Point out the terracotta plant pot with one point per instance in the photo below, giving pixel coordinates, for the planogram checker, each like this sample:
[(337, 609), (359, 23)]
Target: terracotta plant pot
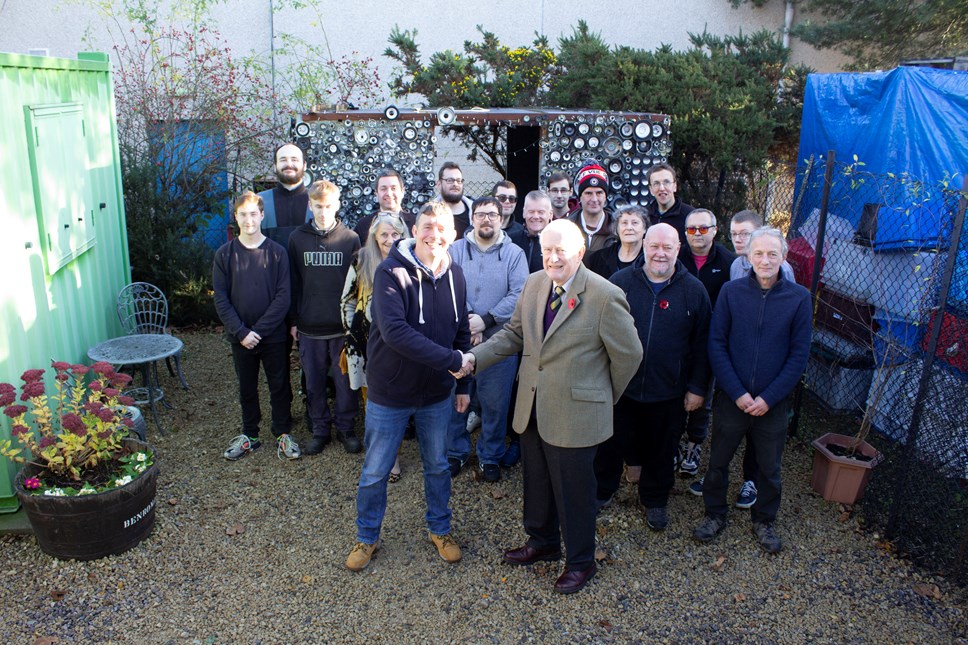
[(842, 479), (88, 527)]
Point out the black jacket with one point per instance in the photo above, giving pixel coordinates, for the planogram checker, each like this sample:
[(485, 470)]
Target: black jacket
[(531, 245), (715, 273), (605, 262), (673, 327), (319, 262), (674, 217)]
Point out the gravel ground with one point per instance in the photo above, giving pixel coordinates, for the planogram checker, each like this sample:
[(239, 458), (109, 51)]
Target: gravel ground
[(279, 576)]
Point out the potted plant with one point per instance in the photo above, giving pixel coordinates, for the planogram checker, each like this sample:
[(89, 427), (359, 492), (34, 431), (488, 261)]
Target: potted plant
[(842, 464), (88, 490)]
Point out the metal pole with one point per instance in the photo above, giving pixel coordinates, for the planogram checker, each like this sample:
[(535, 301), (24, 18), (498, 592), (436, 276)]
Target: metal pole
[(828, 177), (935, 333)]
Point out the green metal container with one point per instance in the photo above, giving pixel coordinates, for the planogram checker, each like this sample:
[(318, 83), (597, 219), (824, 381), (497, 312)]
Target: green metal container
[(63, 247)]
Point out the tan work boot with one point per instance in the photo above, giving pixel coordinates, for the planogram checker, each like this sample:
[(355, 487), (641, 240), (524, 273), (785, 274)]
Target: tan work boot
[(446, 547), (361, 555)]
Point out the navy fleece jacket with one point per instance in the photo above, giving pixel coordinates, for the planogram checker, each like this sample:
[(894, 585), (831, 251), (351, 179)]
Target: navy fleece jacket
[(419, 330), (759, 341), (673, 328)]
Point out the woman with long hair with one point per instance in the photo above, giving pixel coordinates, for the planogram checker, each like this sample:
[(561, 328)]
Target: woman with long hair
[(384, 231)]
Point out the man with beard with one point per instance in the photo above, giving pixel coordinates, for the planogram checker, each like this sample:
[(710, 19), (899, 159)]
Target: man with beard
[(286, 205), (495, 271), (450, 185), (559, 189), (667, 207), (390, 194), (671, 312)]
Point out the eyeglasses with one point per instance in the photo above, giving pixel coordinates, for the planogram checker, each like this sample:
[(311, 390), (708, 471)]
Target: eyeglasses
[(559, 191), (739, 236), (484, 216), (665, 183), (699, 230), (452, 182), (507, 198)]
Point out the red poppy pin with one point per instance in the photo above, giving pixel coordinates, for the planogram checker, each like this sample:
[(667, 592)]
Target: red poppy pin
[(663, 304), (571, 303)]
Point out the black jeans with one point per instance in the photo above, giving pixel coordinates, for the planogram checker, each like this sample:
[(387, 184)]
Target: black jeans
[(648, 434), (769, 432), (274, 359)]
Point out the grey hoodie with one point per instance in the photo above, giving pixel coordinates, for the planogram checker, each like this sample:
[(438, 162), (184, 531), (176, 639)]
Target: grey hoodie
[(494, 277)]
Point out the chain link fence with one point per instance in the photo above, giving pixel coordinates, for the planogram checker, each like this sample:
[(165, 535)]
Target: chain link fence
[(886, 257)]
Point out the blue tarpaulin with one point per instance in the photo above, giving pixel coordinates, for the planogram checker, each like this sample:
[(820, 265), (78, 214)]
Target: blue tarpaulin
[(910, 120)]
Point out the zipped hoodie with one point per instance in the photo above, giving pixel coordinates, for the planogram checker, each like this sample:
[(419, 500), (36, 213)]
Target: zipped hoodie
[(494, 277), (320, 261), (759, 341), (419, 330), (673, 327)]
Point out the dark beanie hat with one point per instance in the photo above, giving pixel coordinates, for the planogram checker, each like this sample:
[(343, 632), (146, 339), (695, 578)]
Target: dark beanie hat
[(592, 175)]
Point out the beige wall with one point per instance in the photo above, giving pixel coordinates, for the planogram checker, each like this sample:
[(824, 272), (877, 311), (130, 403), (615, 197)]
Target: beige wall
[(62, 26), (363, 25)]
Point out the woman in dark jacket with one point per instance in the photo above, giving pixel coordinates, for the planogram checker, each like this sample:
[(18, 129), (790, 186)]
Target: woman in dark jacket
[(628, 226)]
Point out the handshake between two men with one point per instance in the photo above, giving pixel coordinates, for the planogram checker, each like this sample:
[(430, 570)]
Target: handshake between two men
[(466, 368)]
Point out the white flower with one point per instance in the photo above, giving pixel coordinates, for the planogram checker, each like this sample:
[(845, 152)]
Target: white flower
[(141, 456), (121, 481), (139, 468), (54, 492), (87, 490)]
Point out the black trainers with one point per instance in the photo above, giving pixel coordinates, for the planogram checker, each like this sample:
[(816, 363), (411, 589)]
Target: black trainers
[(767, 537), (350, 443), (455, 465), (657, 518), (490, 472), (316, 445), (512, 455), (709, 529)]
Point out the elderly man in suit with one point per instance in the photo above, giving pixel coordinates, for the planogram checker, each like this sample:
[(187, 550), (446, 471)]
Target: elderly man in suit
[(579, 351)]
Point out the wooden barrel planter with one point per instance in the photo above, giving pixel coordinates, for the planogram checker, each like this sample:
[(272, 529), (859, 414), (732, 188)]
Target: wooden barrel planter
[(88, 527)]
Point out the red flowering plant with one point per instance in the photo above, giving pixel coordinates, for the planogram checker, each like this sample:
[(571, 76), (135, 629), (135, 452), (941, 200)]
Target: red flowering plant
[(74, 435)]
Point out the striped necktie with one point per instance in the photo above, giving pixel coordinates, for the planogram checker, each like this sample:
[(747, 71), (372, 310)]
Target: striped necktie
[(556, 298)]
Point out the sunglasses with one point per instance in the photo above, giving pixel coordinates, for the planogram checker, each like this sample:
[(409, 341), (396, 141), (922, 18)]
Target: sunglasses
[(506, 198), (699, 230)]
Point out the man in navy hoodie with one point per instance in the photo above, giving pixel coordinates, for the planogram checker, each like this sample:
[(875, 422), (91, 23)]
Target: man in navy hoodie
[(759, 343), (420, 327), (320, 253)]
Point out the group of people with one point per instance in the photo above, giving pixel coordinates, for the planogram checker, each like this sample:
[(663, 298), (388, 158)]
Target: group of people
[(586, 342)]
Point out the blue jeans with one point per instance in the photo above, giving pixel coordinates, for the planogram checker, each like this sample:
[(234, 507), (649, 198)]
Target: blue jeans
[(494, 393), (384, 432)]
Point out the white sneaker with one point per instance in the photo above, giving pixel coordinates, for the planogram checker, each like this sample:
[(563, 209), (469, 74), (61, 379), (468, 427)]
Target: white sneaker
[(473, 421), (287, 448)]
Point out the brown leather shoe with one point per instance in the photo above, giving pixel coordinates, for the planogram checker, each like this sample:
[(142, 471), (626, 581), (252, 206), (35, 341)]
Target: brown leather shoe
[(529, 555), (572, 581)]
